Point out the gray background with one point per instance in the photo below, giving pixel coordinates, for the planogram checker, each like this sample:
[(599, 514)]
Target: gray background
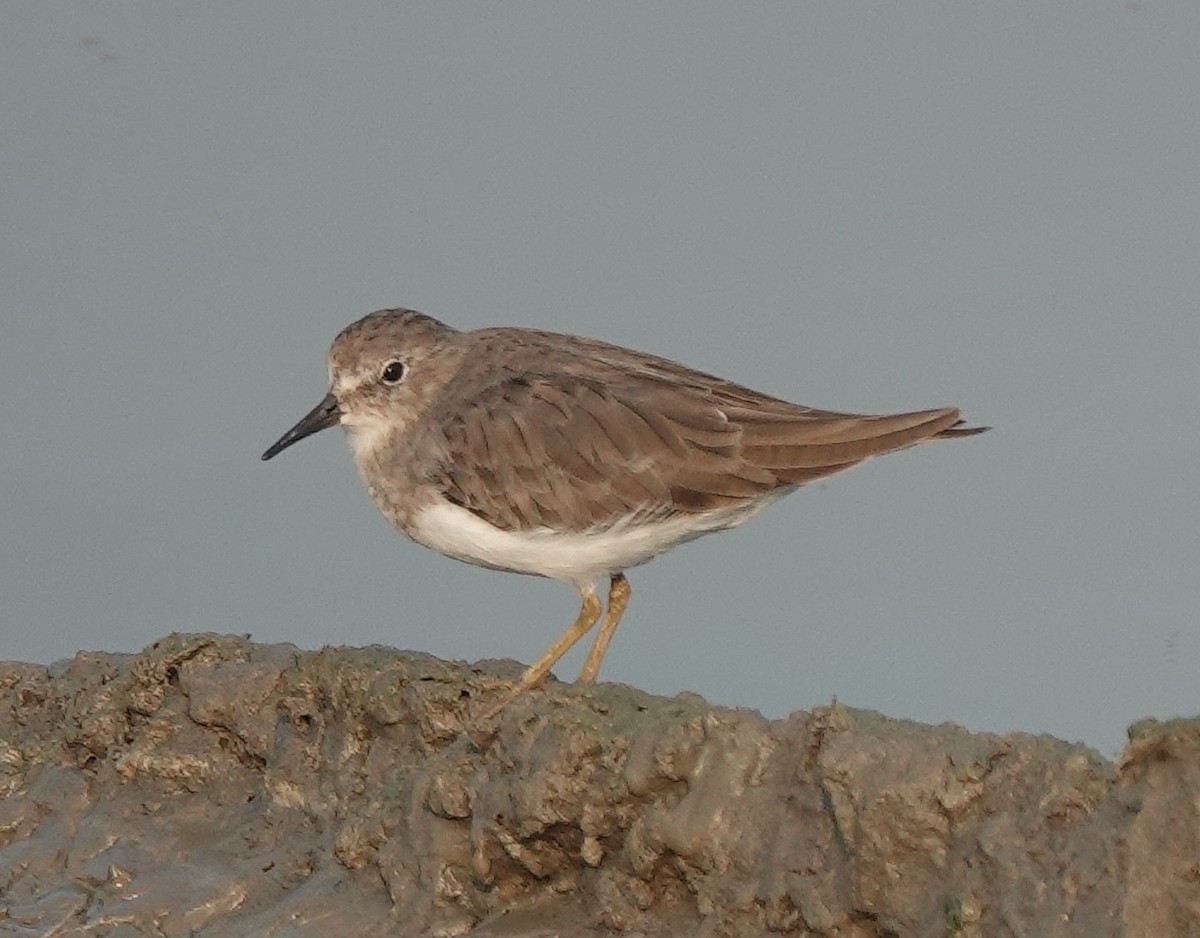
[(854, 205)]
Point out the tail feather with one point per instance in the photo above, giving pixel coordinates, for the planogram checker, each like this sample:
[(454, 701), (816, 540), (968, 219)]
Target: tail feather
[(955, 430)]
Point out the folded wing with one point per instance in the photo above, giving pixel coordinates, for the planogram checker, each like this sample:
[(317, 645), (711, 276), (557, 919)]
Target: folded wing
[(572, 452)]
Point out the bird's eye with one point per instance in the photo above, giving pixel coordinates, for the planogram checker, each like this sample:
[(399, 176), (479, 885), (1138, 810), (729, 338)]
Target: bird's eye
[(393, 373)]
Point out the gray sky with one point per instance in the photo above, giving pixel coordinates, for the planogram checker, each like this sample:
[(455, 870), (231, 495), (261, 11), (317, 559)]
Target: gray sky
[(855, 205)]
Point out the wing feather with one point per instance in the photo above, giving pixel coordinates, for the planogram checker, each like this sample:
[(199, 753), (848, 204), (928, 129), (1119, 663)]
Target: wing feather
[(585, 442)]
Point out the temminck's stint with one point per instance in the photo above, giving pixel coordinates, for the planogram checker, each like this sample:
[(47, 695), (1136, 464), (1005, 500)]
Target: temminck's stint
[(570, 458)]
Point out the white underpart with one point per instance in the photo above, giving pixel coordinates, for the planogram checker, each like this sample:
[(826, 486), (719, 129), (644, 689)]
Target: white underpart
[(366, 435), (574, 556)]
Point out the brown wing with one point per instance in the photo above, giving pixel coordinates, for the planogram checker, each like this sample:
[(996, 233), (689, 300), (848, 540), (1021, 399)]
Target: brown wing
[(565, 451)]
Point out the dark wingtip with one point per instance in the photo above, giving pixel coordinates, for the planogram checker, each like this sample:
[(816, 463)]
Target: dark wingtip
[(955, 430)]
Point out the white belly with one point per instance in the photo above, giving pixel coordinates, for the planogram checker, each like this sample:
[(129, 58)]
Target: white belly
[(575, 557)]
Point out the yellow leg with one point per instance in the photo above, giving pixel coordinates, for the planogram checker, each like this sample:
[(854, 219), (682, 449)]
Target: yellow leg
[(618, 599), (589, 612)]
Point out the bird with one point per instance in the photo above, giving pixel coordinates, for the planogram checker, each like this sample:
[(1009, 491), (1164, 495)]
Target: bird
[(571, 458)]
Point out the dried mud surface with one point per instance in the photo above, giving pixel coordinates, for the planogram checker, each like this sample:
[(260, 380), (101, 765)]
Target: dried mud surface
[(211, 786)]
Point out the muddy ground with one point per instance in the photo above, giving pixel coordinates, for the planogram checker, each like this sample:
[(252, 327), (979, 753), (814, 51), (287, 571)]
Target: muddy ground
[(210, 786)]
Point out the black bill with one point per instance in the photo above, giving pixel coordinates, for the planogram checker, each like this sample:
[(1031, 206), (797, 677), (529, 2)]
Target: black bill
[(325, 414)]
